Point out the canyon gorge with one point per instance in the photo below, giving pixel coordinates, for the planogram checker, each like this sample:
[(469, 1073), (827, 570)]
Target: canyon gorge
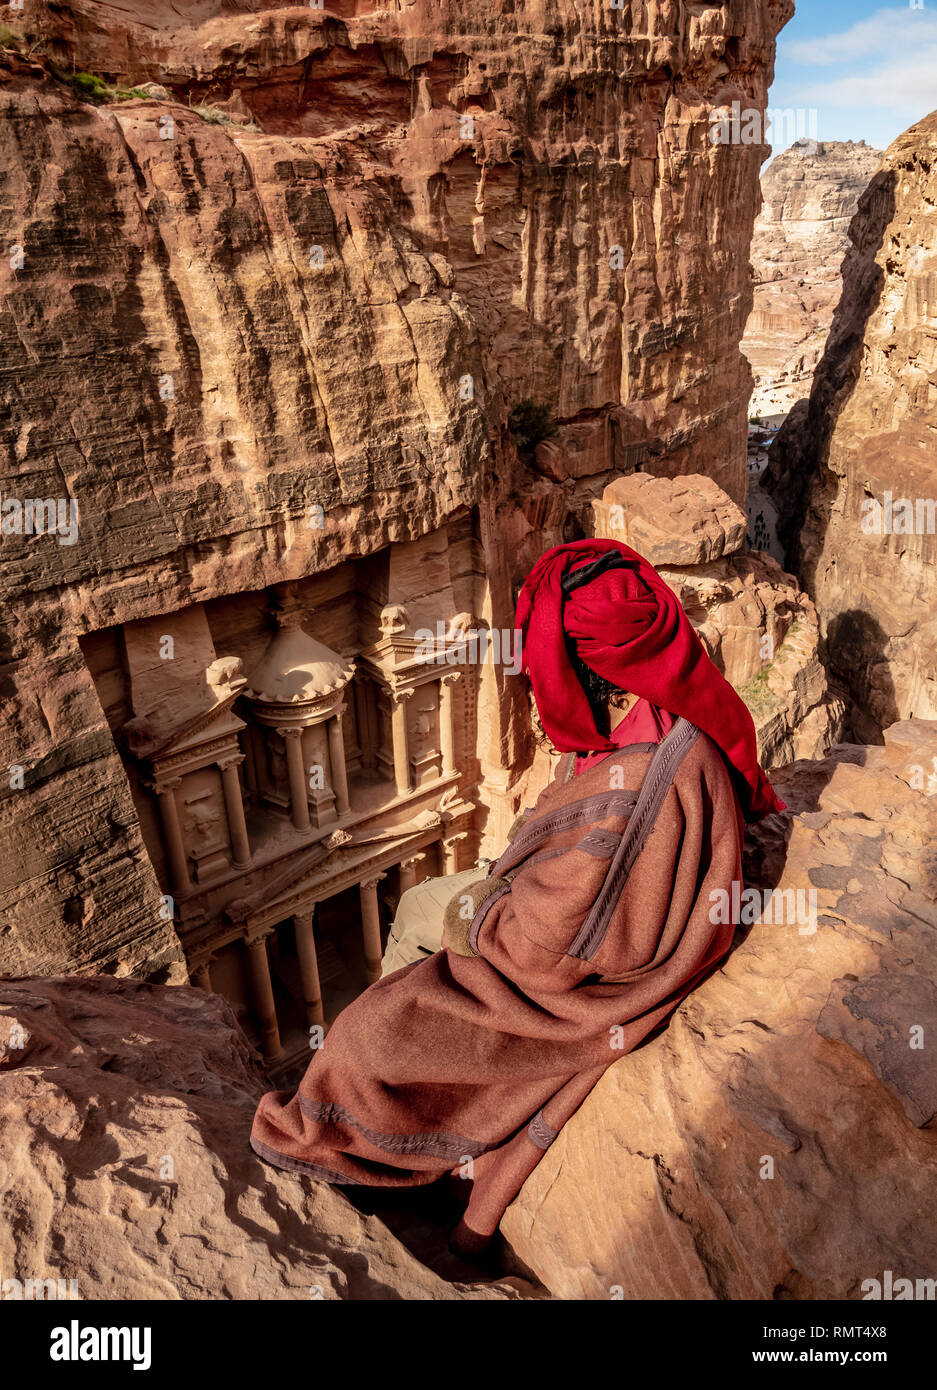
[(810, 194), (279, 283)]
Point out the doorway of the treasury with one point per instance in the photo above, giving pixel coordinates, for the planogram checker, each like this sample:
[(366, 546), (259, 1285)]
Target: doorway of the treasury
[(317, 960)]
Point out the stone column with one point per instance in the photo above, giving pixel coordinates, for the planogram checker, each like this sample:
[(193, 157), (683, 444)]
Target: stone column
[(364, 724), (299, 804), (408, 868), (371, 927), (262, 996), (398, 700), (447, 721), (200, 975), (450, 851), (172, 833), (234, 806), (337, 761), (250, 766), (308, 966)]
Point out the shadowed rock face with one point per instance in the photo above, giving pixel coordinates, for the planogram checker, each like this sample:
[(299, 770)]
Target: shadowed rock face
[(777, 1140), (810, 193), (327, 292), (126, 1165), (866, 437)]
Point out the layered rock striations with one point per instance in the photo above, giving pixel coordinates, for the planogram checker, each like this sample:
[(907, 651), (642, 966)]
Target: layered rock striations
[(271, 314), (853, 472), (810, 193)]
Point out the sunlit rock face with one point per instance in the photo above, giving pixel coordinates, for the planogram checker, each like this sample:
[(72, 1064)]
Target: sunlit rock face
[(759, 628), (728, 1157), (853, 471), (164, 1199), (542, 180), (810, 193), (264, 324)]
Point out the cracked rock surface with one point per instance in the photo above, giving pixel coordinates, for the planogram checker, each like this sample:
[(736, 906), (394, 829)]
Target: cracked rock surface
[(125, 1164)]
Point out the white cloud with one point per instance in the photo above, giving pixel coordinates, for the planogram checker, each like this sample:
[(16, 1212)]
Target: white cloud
[(906, 85), (889, 33)]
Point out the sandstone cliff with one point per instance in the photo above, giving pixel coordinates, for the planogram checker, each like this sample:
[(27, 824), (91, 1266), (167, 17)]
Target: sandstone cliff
[(810, 193), (853, 471), (317, 291)]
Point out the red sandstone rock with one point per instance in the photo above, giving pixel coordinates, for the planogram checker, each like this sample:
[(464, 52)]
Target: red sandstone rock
[(680, 521), (853, 472), (204, 382), (126, 1167)]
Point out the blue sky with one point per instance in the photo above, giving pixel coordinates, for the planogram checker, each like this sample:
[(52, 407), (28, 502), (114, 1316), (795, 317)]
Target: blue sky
[(868, 69)]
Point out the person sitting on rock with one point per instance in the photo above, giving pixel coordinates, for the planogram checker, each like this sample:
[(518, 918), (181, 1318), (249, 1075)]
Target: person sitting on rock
[(509, 991)]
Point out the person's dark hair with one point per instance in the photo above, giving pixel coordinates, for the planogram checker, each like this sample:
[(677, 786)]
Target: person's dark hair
[(598, 691)]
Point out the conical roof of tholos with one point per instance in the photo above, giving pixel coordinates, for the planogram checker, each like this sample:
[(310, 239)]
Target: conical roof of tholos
[(296, 667)]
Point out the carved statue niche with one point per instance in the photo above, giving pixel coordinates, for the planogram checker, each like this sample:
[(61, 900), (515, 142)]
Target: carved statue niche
[(423, 733), (204, 825)]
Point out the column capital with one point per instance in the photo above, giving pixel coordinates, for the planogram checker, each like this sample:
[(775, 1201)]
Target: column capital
[(413, 860), (162, 785), (372, 881), (450, 677), (290, 731), (398, 696), (230, 760), (455, 837), (259, 934)]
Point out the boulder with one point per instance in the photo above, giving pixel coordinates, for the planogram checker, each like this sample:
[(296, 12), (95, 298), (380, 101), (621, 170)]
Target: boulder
[(671, 521)]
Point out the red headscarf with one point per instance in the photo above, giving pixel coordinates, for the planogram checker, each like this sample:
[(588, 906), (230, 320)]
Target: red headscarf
[(622, 620)]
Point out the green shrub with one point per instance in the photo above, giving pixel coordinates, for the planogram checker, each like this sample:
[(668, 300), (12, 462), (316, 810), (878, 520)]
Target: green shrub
[(92, 88), (9, 38), (530, 423)]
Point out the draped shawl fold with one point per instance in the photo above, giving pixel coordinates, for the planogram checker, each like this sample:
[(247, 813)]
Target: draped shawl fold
[(604, 601)]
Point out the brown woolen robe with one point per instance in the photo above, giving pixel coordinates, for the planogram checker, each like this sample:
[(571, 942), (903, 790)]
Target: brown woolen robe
[(600, 925)]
